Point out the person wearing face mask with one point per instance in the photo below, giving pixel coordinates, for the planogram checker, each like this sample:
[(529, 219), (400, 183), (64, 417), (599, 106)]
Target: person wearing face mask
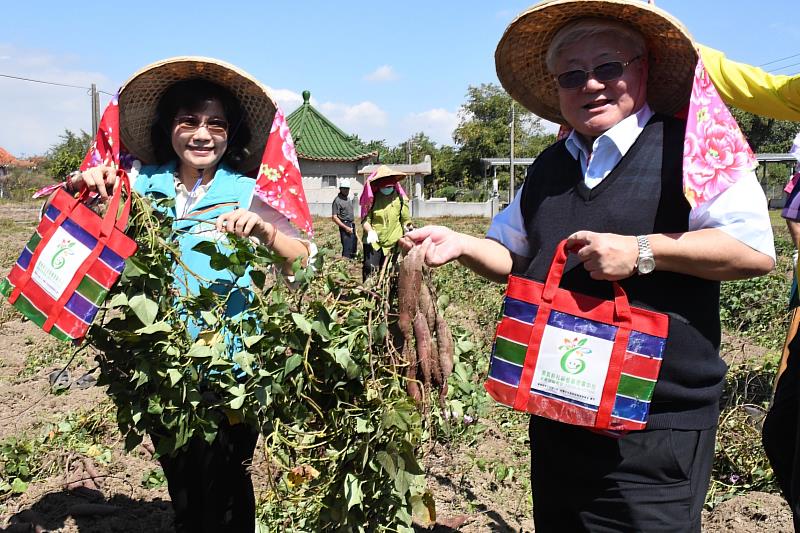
[(385, 216), (199, 125)]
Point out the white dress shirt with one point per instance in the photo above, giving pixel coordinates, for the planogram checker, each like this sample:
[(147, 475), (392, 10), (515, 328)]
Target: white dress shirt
[(740, 211)]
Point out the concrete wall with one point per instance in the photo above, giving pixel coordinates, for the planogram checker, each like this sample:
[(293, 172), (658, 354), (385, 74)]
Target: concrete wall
[(313, 171), (428, 209), (325, 209)]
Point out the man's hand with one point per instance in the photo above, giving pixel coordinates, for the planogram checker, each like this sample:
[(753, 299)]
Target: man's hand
[(606, 256)]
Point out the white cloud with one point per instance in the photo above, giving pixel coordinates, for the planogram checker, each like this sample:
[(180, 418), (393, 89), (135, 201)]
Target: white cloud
[(382, 73), (33, 115), (287, 99), (438, 124), (366, 118)]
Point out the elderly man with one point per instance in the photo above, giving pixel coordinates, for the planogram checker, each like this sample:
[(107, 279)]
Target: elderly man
[(613, 188), (342, 216)]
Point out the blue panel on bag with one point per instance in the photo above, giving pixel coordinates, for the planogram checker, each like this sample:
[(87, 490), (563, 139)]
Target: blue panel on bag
[(630, 408), (24, 258), (582, 325), (645, 344), (504, 371), (519, 310)]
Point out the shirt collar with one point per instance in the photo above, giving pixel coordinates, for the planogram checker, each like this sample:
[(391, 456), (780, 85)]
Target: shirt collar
[(622, 135)]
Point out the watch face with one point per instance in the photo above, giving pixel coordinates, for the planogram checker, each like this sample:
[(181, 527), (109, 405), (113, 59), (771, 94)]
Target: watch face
[(646, 265)]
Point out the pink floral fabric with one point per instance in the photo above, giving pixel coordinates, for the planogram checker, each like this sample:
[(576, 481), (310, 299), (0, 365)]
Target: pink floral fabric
[(715, 151), (279, 183)]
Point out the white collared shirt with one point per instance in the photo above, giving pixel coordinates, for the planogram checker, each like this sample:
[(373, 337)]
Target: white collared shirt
[(740, 211)]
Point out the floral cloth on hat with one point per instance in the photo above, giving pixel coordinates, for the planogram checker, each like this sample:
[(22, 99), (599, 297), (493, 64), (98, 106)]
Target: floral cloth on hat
[(279, 183), (715, 151), (368, 196)]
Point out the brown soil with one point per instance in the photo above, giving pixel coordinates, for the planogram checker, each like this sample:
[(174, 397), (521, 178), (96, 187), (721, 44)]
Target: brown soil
[(479, 485)]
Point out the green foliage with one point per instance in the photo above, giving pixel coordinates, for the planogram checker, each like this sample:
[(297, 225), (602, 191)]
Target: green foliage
[(67, 155), (740, 464), (153, 479), (766, 134), (485, 128), (27, 459), (308, 366)]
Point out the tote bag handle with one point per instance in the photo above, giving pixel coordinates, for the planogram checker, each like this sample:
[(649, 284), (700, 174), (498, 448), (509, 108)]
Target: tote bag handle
[(623, 320)]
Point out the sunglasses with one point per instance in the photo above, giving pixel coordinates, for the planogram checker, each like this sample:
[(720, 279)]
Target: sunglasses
[(572, 79), (191, 123)]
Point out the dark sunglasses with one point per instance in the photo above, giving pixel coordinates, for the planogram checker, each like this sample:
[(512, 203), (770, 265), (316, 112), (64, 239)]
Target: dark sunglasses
[(191, 123), (572, 79)]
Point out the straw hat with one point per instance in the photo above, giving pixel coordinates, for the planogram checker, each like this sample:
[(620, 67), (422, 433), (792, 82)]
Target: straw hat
[(140, 95), (520, 55), (385, 172)]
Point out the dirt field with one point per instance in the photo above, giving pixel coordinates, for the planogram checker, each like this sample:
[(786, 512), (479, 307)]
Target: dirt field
[(88, 484)]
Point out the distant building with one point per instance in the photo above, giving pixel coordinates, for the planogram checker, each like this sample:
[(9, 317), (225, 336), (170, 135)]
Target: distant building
[(326, 154)]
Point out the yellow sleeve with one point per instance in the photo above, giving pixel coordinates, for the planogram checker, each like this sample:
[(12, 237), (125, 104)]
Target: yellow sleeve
[(405, 213), (752, 89)]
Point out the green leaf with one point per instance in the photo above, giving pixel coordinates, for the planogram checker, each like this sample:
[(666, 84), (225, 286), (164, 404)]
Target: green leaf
[(251, 340), (118, 300), (144, 308), (200, 351), (386, 462), (174, 376), (302, 323), (259, 278), (293, 362), (245, 361), (442, 301), (209, 318), (206, 247), (424, 508), (352, 491), (321, 330), (158, 327), (134, 268), (18, 486)]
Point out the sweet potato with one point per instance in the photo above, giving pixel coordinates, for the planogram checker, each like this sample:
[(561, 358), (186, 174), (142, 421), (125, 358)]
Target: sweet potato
[(423, 339)]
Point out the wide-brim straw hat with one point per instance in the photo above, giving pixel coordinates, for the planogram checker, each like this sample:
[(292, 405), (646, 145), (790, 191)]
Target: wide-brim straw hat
[(385, 171), (520, 55), (140, 95)]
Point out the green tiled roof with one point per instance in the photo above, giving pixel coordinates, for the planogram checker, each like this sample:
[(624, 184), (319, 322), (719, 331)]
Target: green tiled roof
[(316, 137)]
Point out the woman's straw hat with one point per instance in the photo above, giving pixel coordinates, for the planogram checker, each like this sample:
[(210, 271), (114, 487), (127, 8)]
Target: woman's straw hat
[(520, 55), (384, 171), (140, 95)]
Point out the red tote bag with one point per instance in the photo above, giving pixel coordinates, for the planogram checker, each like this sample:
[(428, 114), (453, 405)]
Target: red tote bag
[(575, 358), (65, 271)]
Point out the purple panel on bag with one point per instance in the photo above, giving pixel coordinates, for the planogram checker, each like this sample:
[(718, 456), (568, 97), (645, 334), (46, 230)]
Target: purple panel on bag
[(645, 344), (506, 372), (80, 234), (112, 260), (519, 310), (582, 325), (81, 307)]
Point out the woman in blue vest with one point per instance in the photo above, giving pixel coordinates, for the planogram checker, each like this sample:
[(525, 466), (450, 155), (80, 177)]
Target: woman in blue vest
[(199, 132)]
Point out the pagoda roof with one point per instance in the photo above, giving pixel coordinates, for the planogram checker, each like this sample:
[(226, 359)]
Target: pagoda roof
[(317, 138)]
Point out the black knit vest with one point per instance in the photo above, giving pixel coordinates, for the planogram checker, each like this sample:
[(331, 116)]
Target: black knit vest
[(642, 195)]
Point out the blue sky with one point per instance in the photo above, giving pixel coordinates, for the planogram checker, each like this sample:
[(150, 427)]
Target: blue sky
[(384, 70)]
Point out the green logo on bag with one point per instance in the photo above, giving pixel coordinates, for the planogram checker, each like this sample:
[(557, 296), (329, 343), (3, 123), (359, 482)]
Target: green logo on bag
[(572, 362), (63, 251)]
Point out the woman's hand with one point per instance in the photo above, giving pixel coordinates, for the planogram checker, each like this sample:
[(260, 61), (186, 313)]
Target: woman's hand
[(100, 179), (606, 256), (245, 223)]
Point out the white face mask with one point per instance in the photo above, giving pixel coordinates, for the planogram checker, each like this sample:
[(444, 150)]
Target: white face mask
[(387, 190)]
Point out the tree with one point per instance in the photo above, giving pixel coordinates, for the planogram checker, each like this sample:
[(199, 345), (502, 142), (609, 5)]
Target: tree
[(484, 129), (766, 135), (67, 155)]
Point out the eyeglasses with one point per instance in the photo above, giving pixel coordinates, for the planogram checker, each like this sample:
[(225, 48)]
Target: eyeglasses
[(191, 123), (572, 79)]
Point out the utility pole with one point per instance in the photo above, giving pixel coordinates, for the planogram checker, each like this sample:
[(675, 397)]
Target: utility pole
[(511, 159), (95, 109)]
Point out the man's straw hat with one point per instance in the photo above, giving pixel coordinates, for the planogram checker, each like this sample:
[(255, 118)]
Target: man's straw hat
[(520, 55), (140, 95)]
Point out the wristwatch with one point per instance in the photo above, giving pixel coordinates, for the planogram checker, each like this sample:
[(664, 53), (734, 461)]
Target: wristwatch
[(646, 263)]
